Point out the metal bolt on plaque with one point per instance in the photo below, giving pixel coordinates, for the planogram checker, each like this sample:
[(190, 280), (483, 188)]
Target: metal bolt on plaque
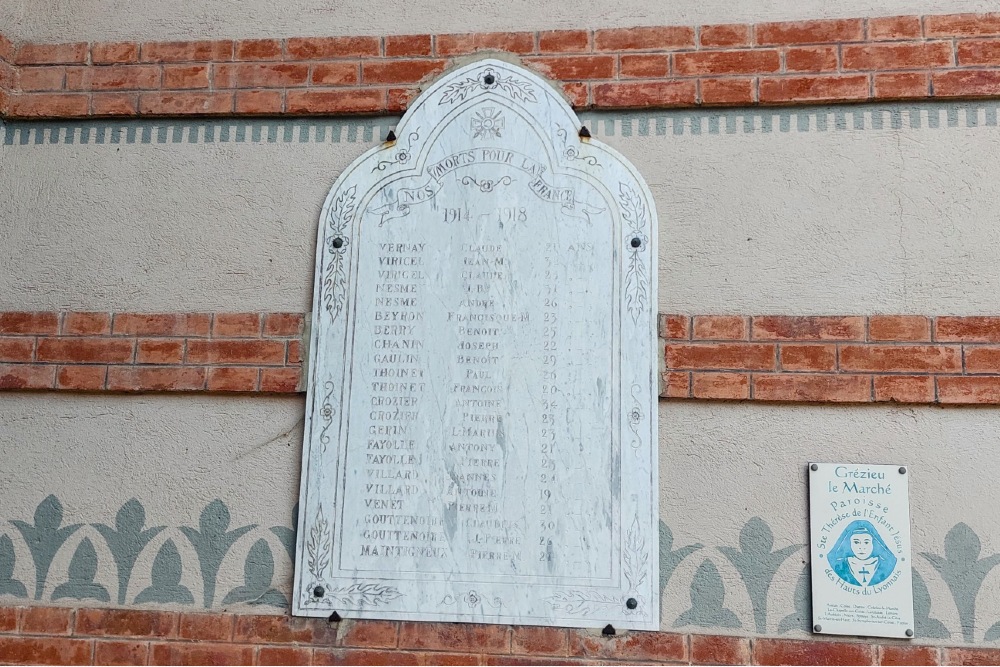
[(484, 320)]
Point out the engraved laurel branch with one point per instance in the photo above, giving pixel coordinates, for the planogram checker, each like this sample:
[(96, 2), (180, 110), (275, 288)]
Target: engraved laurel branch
[(364, 594), (473, 599), (402, 156), (489, 80), (335, 282), (635, 417), (636, 559), (571, 152), (636, 281), (318, 547), (326, 412), (486, 185), (354, 596), (582, 602)]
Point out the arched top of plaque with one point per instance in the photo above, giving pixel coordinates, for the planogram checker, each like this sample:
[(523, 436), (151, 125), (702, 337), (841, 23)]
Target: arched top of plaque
[(472, 107), (480, 438)]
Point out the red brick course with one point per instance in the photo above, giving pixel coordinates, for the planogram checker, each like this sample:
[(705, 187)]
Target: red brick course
[(835, 359), (784, 63), (789, 652), (832, 359), (129, 352), (39, 635), (713, 650)]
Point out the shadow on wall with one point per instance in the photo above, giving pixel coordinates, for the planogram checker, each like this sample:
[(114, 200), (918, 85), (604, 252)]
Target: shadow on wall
[(961, 567)]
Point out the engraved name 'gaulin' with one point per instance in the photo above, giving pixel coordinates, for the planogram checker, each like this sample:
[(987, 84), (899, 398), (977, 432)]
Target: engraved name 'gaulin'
[(398, 358)]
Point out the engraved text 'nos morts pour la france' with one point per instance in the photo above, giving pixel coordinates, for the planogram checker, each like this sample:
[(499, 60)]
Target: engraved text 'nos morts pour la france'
[(480, 439)]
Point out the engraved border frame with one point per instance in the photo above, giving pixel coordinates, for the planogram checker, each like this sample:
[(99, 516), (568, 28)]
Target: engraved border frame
[(637, 409)]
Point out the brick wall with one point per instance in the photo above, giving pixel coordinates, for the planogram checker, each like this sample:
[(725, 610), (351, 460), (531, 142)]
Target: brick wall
[(8, 73), (826, 359), (842, 359), (87, 351), (805, 62), (52, 635)]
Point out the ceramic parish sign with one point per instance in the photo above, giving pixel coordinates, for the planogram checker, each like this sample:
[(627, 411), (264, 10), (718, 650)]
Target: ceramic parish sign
[(480, 439), (860, 533)]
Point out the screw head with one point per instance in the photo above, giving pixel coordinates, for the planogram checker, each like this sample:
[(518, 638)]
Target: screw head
[(319, 592), (817, 628), (902, 470), (909, 633), (489, 79), (338, 242), (631, 603), (636, 242), (814, 467)]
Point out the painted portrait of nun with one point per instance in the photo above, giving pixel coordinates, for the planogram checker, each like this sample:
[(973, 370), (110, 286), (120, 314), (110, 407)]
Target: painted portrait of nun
[(860, 556)]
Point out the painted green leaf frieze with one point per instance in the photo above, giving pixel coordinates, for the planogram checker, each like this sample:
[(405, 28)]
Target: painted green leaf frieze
[(924, 625), (961, 567), (45, 537), (127, 540), (82, 570), (9, 585), (669, 558), (757, 564), (258, 573), (287, 535), (212, 541), (801, 617), (708, 597), (166, 585), (963, 571)]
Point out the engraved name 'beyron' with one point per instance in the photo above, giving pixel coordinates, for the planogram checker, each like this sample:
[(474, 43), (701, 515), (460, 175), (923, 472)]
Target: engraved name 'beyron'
[(480, 440)]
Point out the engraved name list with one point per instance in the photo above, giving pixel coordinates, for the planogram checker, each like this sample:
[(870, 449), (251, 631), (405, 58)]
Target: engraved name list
[(481, 415)]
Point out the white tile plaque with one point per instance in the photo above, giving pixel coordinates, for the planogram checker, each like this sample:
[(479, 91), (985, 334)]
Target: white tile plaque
[(480, 438), (860, 531)]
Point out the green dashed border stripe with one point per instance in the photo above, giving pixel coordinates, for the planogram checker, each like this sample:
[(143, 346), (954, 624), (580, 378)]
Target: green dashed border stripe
[(347, 130), (813, 119), (605, 123)]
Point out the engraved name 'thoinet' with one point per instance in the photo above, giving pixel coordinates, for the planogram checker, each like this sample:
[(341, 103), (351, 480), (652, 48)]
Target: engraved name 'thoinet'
[(480, 437)]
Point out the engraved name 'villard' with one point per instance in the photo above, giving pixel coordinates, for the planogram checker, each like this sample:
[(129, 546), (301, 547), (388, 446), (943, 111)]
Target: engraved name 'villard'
[(475, 436), (484, 450), (393, 462)]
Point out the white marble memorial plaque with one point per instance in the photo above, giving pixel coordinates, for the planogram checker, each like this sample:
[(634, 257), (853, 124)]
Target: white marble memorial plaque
[(480, 439), (860, 532)]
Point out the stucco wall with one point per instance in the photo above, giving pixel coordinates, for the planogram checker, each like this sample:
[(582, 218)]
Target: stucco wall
[(199, 470), (219, 475), (60, 21), (187, 502), (861, 209)]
